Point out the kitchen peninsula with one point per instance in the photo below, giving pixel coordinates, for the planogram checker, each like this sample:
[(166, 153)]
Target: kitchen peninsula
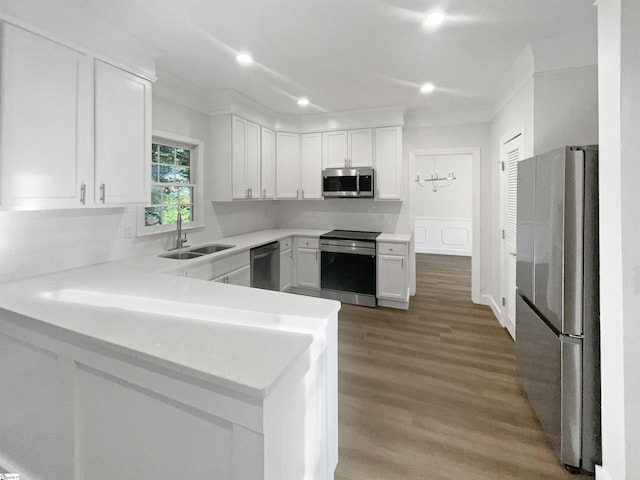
[(125, 370)]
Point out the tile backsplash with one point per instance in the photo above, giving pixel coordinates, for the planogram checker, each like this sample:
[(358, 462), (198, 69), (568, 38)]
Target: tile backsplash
[(40, 242)]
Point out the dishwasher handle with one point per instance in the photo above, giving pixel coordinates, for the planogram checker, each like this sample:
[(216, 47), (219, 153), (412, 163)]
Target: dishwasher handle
[(264, 250)]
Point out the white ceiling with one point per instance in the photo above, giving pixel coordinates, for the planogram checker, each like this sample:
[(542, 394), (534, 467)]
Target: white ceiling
[(344, 54)]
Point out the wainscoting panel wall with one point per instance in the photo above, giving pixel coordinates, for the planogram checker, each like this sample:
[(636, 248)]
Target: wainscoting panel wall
[(445, 236)]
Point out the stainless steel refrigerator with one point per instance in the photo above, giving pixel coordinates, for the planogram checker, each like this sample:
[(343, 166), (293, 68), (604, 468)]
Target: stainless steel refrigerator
[(557, 308)]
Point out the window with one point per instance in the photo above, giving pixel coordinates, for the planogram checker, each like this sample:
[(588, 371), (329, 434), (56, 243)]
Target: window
[(176, 163)]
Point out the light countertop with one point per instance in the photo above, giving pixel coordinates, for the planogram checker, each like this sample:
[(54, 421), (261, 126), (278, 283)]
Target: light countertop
[(241, 338)]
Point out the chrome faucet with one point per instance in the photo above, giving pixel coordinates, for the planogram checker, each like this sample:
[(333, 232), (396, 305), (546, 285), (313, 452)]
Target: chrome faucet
[(180, 240)]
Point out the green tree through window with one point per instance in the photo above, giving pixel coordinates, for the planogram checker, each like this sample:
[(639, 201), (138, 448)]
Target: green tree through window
[(171, 185)]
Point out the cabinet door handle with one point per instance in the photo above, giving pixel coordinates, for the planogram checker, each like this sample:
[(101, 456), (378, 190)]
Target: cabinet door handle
[(303, 193), (83, 194), (297, 193), (402, 263), (316, 255), (102, 192), (264, 193)]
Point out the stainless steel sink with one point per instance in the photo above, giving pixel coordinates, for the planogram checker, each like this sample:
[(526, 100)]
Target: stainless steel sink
[(213, 248), (196, 252), (181, 255)]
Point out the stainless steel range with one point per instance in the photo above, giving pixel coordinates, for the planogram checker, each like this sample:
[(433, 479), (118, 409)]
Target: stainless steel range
[(348, 266)]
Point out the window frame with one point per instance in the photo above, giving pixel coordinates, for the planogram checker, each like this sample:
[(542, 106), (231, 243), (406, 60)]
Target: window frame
[(197, 181)]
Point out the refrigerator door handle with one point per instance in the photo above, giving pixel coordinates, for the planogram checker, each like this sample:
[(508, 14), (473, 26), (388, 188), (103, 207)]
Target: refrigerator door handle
[(571, 416)]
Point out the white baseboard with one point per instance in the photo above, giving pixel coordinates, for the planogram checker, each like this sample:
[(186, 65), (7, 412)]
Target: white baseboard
[(444, 251), (511, 328), (487, 299), (602, 474)]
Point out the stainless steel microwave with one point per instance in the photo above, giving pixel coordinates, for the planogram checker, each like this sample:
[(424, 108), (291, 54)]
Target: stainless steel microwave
[(348, 182)]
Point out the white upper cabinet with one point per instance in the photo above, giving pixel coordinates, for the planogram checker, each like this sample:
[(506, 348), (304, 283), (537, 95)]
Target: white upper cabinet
[(360, 147), (122, 136), (388, 163), (334, 151), (287, 165), (75, 131), (268, 163), (311, 166), (239, 157), (347, 148), (46, 123), (245, 155)]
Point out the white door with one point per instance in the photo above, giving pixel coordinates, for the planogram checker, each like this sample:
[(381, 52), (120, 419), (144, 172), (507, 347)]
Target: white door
[(334, 149), (311, 166), (122, 136), (511, 153), (46, 127), (360, 147), (268, 164), (287, 165)]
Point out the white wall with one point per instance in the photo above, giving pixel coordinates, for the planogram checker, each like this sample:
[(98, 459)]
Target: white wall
[(452, 201), (565, 108), (346, 213), (618, 31), (517, 113), (72, 24)]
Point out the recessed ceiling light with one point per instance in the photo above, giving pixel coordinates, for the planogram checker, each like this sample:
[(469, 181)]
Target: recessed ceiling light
[(433, 20), (427, 88), (244, 59), (303, 102)]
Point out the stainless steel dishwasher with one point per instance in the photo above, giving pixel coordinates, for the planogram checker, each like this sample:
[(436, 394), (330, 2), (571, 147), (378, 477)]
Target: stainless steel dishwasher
[(265, 266)]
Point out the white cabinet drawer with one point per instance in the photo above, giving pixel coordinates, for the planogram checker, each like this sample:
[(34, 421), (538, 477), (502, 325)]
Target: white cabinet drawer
[(285, 244), (307, 242), (392, 248), (216, 268)]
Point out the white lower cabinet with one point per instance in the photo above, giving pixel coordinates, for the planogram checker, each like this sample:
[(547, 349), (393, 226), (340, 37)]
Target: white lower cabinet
[(234, 269), (393, 275), (286, 264), (241, 277), (307, 262)]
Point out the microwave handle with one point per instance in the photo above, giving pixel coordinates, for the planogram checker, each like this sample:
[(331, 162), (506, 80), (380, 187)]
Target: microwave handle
[(358, 182)]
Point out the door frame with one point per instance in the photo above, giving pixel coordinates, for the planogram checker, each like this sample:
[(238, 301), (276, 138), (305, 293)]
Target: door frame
[(476, 230), (510, 134)]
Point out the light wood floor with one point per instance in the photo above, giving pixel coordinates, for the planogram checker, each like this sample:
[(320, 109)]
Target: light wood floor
[(431, 393)]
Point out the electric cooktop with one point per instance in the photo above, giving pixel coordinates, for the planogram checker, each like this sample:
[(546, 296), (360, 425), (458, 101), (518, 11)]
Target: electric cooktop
[(350, 235)]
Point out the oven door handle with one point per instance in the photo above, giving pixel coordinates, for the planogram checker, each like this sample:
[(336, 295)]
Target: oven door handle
[(352, 250)]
